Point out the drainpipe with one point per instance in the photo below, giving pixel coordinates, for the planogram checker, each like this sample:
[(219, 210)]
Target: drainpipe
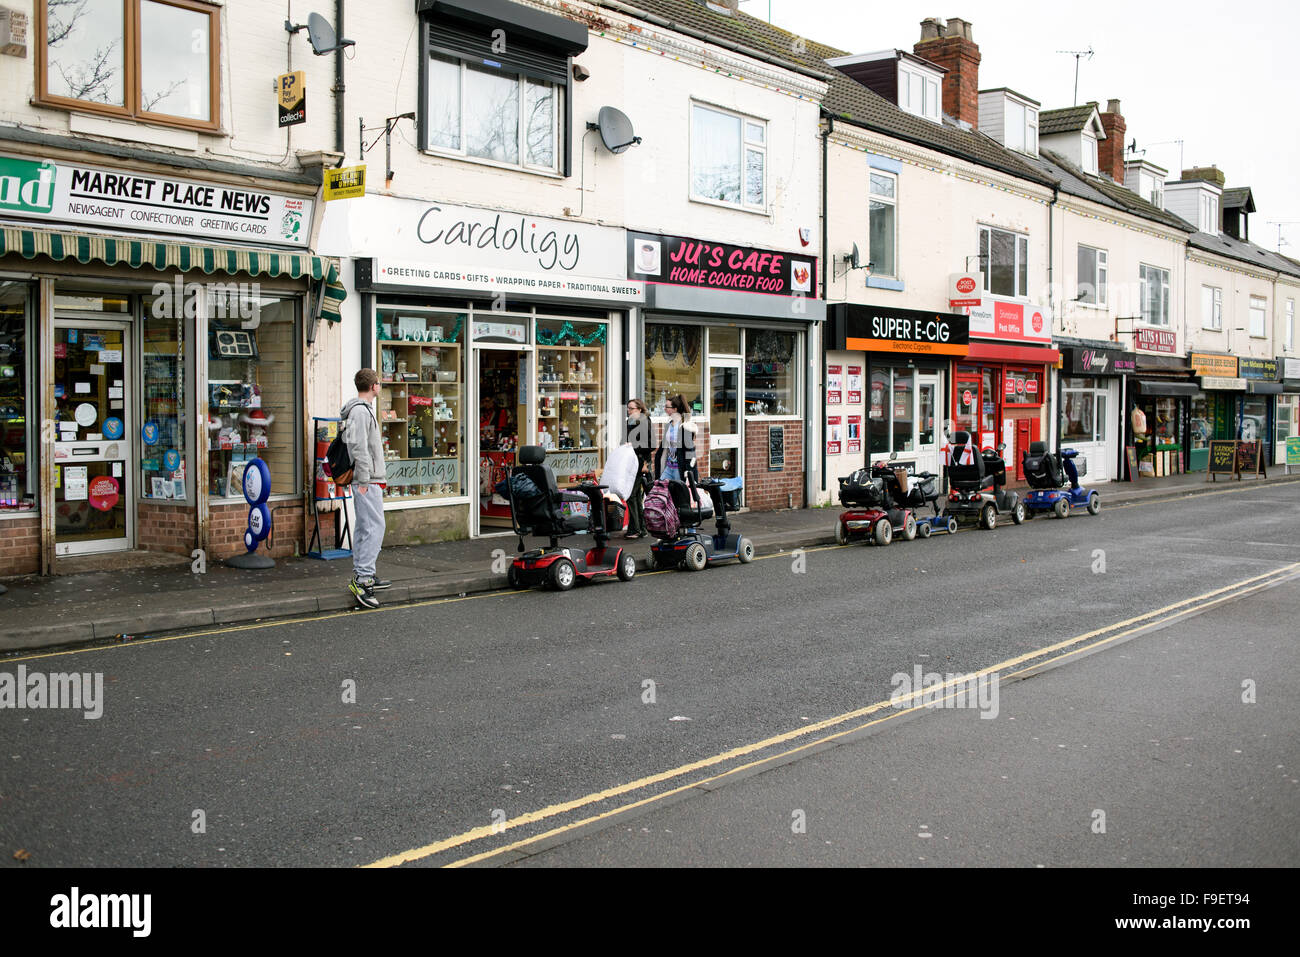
[(1055, 423), (827, 260), (339, 87)]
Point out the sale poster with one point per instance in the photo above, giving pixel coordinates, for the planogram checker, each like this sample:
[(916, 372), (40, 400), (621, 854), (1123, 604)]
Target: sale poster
[(854, 437), (834, 436), (834, 385)]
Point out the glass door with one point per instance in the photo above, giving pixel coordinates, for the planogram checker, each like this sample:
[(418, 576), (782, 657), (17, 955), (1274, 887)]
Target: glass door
[(95, 435), (927, 431), (967, 402), (502, 387), (725, 446)]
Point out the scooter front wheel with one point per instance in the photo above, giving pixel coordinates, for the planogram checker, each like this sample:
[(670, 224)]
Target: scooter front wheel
[(746, 553), (514, 579), (989, 517), (1094, 503), (1018, 513), (627, 567), (952, 525), (841, 534), (924, 530), (909, 528)]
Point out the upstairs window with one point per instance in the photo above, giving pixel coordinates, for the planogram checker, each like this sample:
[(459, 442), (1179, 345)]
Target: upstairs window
[(1090, 155), (1021, 127), (884, 223), (1258, 317), (1209, 213), (919, 93), (1004, 261), (1288, 328), (153, 60), (1211, 308), (1155, 295), (728, 158), (1094, 264)]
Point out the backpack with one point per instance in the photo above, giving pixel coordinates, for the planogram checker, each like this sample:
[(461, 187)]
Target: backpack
[(339, 460), (661, 518)]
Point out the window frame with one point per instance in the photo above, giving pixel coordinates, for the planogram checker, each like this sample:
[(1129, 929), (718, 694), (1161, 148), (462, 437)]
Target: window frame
[(1020, 269), (132, 70), (1144, 271), (891, 201), (1288, 328), (745, 144), (930, 87), (1213, 320), (1101, 276), (559, 93), (1262, 312), (1089, 157)]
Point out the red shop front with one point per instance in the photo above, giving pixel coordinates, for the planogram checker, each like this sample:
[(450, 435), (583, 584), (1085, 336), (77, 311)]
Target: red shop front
[(1000, 397)]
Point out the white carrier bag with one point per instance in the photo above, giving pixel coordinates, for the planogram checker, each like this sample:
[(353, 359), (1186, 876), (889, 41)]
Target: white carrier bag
[(620, 471)]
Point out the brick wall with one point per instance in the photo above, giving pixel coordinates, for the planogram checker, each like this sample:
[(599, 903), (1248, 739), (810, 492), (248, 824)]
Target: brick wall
[(165, 528), (764, 490), (20, 546), (226, 525)]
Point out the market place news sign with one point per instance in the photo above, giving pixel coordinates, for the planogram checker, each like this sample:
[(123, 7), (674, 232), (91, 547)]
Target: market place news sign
[(117, 199), (875, 329), (678, 261)]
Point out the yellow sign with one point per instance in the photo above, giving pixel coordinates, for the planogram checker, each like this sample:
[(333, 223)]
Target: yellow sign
[(1213, 365), (291, 96), (348, 182)]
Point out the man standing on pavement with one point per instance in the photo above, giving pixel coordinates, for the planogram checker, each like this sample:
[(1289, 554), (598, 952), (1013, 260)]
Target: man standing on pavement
[(365, 446)]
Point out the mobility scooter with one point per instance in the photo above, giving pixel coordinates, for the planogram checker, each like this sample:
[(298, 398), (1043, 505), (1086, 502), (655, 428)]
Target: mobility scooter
[(688, 546), (873, 512), (913, 492), (977, 481), (537, 508), (1047, 476)]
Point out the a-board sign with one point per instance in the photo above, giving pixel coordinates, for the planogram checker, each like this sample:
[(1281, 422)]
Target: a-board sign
[(1293, 451), (1223, 458), (775, 448), (1250, 458), (1131, 453)]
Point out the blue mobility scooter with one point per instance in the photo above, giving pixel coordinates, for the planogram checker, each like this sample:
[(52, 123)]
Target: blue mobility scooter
[(537, 508), (914, 492), (1047, 476), (691, 547)]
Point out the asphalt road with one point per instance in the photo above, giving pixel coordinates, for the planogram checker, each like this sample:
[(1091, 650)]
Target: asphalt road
[(483, 722)]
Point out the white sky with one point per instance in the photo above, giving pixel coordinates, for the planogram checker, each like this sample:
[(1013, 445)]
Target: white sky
[(1219, 76)]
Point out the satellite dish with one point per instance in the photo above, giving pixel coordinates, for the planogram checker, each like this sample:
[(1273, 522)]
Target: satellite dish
[(615, 130), (323, 38), (855, 258)]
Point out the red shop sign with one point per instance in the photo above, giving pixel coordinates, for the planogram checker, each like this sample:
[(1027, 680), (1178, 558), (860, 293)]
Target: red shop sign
[(1031, 386), (1010, 388), (1156, 340)]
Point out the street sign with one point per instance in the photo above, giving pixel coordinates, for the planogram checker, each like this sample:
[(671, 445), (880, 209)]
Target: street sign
[(291, 97), (347, 182)]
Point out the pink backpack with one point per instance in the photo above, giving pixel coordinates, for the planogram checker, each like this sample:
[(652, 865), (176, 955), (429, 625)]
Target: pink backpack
[(661, 518)]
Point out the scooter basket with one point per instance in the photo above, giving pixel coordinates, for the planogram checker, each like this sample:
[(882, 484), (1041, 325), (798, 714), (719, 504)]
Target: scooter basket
[(1081, 465)]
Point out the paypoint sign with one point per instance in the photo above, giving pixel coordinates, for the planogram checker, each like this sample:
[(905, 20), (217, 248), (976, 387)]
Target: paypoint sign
[(876, 329)]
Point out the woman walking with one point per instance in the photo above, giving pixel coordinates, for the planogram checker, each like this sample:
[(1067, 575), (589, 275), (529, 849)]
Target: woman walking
[(638, 436), (675, 457)]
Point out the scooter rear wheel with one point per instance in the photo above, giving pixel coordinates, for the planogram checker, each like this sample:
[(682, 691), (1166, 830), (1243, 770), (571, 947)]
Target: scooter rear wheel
[(563, 575), (883, 533), (626, 567), (1018, 513), (952, 525), (909, 528), (1094, 503), (923, 529), (696, 557), (989, 517), (1061, 508)]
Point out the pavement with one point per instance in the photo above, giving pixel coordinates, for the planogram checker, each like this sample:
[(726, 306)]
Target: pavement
[(129, 603)]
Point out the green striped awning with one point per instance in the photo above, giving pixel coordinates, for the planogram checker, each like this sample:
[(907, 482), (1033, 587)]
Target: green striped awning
[(141, 253)]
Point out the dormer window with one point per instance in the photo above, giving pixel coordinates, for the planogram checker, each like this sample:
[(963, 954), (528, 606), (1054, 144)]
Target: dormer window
[(918, 92), (1209, 213), (1089, 154), (912, 83), (1010, 118)]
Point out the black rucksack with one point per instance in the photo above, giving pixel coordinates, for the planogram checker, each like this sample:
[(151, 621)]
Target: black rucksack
[(338, 459)]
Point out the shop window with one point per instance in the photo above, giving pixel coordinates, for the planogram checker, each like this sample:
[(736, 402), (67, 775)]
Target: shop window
[(674, 365), (1258, 317), (253, 392), (883, 224), (771, 373), (154, 60), (1201, 424), (1254, 419), (728, 158), (1083, 414), (421, 406), (1155, 295), (1004, 261), (570, 395), (17, 411), (1211, 307), (165, 468), (878, 419), (1093, 267), (1022, 387), (724, 341)]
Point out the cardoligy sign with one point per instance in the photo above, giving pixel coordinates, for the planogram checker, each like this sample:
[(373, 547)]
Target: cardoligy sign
[(93, 196)]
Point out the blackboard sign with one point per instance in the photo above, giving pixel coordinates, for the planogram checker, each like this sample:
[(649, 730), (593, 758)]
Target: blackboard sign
[(775, 448), (1223, 459), (1131, 453), (1250, 458)]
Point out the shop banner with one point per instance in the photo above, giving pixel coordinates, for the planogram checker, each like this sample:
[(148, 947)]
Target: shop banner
[(1265, 369), (120, 199), (1222, 384), (509, 283), (1099, 361), (678, 261), (1291, 368), (1210, 364), (1012, 321), (1157, 340), (879, 329)]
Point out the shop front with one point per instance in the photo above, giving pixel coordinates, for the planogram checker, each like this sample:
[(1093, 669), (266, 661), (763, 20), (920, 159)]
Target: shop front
[(1256, 411), (1090, 394), (158, 368), (1000, 390), (1158, 415), (730, 328), (888, 374), (1212, 411), (490, 331), (1287, 417)]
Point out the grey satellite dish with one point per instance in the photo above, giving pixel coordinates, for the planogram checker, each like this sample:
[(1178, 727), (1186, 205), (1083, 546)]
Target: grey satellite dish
[(615, 130), (855, 258), (323, 38)]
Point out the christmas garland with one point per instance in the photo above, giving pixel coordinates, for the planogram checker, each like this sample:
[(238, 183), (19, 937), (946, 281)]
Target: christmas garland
[(567, 331)]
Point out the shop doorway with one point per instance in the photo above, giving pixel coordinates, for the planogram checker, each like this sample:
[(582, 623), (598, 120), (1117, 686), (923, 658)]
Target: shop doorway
[(725, 431), (502, 385), (927, 431), (94, 459), (968, 403)]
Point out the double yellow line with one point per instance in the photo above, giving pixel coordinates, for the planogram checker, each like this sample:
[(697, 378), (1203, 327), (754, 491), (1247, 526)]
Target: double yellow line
[(1032, 662)]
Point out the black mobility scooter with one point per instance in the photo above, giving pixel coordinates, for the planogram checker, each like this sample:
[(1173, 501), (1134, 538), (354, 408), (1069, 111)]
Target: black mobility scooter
[(690, 547), (876, 507), (977, 485), (536, 508)]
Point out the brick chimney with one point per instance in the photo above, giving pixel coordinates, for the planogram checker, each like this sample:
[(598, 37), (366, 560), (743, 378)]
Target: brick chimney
[(950, 46), (1208, 174), (1110, 151)]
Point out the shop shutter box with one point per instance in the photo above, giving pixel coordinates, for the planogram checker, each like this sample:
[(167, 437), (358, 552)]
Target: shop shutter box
[(473, 42)]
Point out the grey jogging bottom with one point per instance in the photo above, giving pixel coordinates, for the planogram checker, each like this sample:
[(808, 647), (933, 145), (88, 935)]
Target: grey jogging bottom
[(368, 536)]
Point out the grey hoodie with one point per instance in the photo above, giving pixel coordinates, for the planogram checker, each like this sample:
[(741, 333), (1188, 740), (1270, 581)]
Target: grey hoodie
[(361, 435)]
